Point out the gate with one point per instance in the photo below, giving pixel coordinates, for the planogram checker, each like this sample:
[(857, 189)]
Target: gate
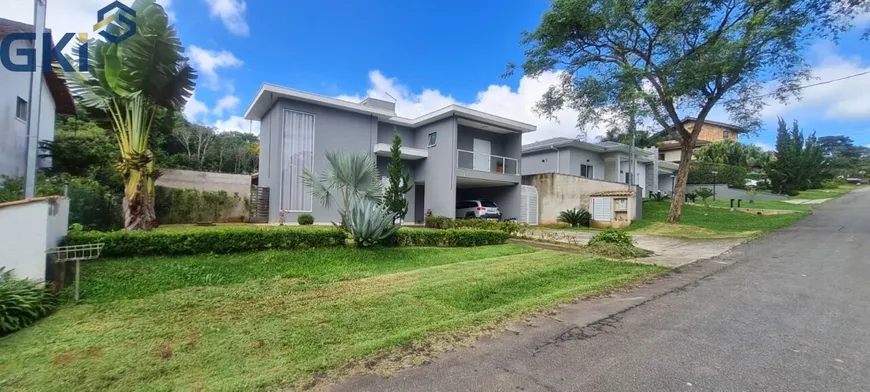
[(259, 204), (529, 205)]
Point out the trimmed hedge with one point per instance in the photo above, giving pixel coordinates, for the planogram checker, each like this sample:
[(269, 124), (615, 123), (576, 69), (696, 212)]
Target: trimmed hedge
[(734, 176), (448, 237), (218, 241), (507, 226)]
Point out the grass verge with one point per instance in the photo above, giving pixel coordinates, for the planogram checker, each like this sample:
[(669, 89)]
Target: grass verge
[(825, 193), (260, 330)]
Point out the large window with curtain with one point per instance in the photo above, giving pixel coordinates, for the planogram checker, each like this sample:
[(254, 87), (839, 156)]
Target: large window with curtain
[(298, 156)]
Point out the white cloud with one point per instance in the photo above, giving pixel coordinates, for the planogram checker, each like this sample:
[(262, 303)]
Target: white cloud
[(207, 62), (227, 103), (500, 100), (194, 108), (842, 100), (63, 17), (231, 13), (238, 124)]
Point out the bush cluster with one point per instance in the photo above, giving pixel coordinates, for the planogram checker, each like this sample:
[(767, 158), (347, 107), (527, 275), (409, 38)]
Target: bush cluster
[(305, 219), (700, 173), (575, 217), (440, 222), (833, 183), (22, 302), (611, 236), (217, 240), (448, 237), (176, 205)]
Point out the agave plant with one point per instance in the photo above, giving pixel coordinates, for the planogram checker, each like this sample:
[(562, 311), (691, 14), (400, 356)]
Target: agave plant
[(345, 177), (370, 223), (575, 217), (136, 81)]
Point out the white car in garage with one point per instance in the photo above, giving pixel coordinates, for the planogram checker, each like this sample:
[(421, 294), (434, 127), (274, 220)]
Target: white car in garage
[(479, 209)]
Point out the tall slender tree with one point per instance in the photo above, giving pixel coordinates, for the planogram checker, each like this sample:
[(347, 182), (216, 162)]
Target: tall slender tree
[(399, 180)]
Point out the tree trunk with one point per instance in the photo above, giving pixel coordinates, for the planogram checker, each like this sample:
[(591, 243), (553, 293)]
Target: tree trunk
[(679, 196), (139, 213)]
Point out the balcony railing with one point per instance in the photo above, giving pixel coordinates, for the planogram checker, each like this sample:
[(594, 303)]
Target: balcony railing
[(487, 163)]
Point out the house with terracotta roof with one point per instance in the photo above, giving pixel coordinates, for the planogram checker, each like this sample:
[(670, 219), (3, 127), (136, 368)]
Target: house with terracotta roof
[(711, 132), (14, 105)]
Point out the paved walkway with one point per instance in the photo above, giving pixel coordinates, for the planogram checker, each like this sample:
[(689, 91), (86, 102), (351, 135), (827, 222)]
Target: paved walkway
[(669, 251), (787, 312), (805, 201)]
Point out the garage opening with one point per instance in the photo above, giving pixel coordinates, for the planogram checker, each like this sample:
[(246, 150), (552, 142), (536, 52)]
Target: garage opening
[(489, 200)]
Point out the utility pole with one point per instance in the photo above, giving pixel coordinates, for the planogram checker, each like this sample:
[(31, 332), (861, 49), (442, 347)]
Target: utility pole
[(632, 166), (34, 105)]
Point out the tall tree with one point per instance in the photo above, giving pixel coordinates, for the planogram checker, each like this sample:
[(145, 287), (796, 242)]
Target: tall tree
[(136, 81), (678, 58), (800, 163), (729, 152), (642, 138), (399, 180)]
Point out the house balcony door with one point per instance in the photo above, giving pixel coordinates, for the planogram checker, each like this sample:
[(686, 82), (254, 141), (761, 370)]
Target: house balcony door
[(482, 151)]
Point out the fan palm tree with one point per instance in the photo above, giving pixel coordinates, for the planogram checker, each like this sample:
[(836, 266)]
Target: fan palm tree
[(347, 176), (136, 81)]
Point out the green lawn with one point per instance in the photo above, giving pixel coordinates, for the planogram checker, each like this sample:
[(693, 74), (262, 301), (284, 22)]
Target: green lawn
[(702, 222), (763, 204), (826, 193), (266, 319)]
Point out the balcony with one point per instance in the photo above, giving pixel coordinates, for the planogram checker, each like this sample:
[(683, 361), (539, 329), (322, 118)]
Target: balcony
[(408, 153), (487, 167)]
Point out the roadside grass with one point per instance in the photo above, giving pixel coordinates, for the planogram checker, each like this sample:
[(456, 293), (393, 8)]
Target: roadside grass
[(826, 193), (287, 329), (762, 204), (716, 221), (109, 280)]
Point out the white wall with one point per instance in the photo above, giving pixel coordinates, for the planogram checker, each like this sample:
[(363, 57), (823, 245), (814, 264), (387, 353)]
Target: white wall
[(13, 132), (27, 230)]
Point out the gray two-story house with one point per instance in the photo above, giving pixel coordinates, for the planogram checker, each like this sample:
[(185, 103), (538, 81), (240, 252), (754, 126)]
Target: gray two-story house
[(453, 154)]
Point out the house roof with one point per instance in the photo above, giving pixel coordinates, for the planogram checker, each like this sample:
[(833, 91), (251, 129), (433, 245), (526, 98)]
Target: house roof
[(270, 93), (732, 127), (562, 142), (612, 193), (63, 100), (673, 145)]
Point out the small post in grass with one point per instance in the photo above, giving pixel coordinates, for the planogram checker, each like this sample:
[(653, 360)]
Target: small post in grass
[(732, 204), (715, 173)]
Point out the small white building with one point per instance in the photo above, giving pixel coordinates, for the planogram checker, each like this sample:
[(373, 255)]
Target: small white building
[(14, 96)]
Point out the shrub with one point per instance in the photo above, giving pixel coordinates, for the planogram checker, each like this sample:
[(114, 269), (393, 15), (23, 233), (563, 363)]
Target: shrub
[(440, 222), (833, 183), (575, 217), (508, 226), (704, 193), (617, 237), (217, 240), (176, 205), (370, 223), (700, 173), (305, 219), (22, 302), (449, 237), (618, 251), (659, 196)]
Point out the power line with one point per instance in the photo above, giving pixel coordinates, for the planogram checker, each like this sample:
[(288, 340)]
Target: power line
[(816, 84)]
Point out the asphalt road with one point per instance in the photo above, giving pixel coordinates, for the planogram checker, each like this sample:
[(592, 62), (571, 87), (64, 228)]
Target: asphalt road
[(788, 312)]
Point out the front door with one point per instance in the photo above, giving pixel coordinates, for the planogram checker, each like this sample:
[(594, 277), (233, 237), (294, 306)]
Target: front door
[(482, 151)]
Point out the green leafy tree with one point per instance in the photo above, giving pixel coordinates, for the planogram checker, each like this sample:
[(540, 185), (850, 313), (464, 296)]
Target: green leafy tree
[(137, 81), (642, 138), (729, 152), (345, 177), (399, 180), (673, 59), (800, 164)]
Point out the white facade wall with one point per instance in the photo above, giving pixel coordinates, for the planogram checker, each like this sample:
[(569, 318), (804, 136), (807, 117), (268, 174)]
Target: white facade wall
[(27, 231), (13, 132)]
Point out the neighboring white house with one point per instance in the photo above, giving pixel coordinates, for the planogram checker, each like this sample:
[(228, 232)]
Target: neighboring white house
[(14, 96)]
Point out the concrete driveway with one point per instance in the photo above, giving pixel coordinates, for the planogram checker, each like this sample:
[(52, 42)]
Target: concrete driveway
[(787, 312), (669, 251)]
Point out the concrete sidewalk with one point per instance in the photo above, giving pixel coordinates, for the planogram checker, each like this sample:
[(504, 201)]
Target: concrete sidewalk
[(668, 251)]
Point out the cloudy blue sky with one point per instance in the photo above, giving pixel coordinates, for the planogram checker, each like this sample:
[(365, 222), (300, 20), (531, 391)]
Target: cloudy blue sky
[(426, 54)]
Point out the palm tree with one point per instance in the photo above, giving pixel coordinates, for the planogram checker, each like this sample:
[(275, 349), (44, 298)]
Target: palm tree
[(136, 81), (346, 176)]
